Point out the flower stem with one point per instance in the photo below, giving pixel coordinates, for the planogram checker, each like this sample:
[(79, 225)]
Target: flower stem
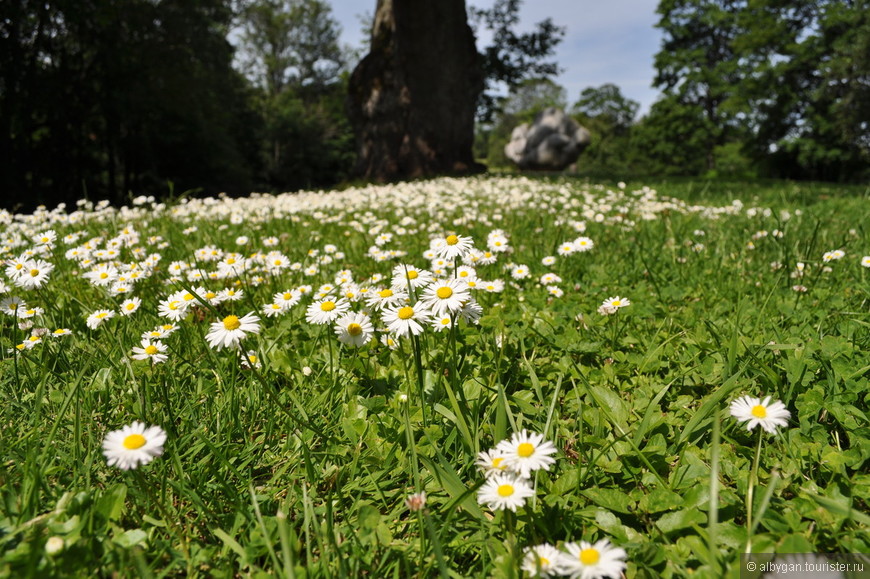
[(753, 480)]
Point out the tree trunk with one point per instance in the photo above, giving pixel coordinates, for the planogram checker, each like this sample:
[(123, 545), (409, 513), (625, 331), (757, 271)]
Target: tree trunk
[(412, 98)]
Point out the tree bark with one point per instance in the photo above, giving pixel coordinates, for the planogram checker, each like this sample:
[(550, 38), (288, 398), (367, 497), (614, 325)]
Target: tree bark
[(412, 99)]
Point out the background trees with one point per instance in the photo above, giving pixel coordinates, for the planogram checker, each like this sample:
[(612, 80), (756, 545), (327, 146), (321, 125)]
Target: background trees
[(109, 96), (786, 83), (290, 52), (113, 97)]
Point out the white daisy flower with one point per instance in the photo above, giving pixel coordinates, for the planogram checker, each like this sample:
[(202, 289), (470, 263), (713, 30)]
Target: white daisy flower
[(326, 311), (385, 297), (583, 244), (542, 561), (133, 445), (504, 491), (34, 275), (491, 462), (407, 276), (273, 309), (153, 351), (526, 452), (231, 330), (616, 303), (129, 306), (593, 561), (406, 320), (98, 317), (760, 413), (441, 323), (287, 298), (452, 246), (354, 329), (12, 305), (251, 360), (443, 297)]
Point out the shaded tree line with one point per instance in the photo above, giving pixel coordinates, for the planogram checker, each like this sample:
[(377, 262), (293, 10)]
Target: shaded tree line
[(108, 98), (103, 97)]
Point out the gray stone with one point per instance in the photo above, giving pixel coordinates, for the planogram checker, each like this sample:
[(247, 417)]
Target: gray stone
[(551, 143)]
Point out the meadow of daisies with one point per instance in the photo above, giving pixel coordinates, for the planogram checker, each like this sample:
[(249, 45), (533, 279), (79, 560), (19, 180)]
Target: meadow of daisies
[(457, 378)]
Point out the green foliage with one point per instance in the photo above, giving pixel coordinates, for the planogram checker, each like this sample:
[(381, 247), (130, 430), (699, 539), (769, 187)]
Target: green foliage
[(752, 70), (513, 57), (610, 118)]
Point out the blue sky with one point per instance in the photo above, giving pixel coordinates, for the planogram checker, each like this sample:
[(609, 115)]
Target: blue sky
[(605, 40)]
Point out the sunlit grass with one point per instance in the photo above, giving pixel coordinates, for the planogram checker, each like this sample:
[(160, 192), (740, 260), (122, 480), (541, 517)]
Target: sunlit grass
[(301, 467)]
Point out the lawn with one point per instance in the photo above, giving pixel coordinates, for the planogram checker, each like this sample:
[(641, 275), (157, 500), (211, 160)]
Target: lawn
[(573, 403)]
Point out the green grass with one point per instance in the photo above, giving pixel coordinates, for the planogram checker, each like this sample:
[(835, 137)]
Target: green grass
[(302, 468)]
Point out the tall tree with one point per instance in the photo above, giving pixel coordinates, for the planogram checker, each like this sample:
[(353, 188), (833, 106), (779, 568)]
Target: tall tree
[(697, 66), (806, 86), (290, 44), (513, 57), (412, 98), (610, 117), (290, 51)]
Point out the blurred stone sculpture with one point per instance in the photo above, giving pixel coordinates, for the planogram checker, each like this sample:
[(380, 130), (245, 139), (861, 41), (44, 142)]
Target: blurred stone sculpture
[(551, 143)]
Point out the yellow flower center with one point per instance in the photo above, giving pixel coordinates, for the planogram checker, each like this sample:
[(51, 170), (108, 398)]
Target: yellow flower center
[(288, 296), (253, 358), (34, 272), (151, 350), (166, 327), (230, 261), (188, 297), (19, 266), (505, 490), (173, 305), (101, 315), (232, 323), (60, 331), (386, 293), (413, 274), (616, 303), (526, 449), (34, 338), (210, 295), (131, 306), (104, 275), (45, 240), (759, 411), (405, 313), (589, 556), (444, 292), (327, 306), (354, 329), (134, 441), (452, 240), (543, 562), (496, 462)]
